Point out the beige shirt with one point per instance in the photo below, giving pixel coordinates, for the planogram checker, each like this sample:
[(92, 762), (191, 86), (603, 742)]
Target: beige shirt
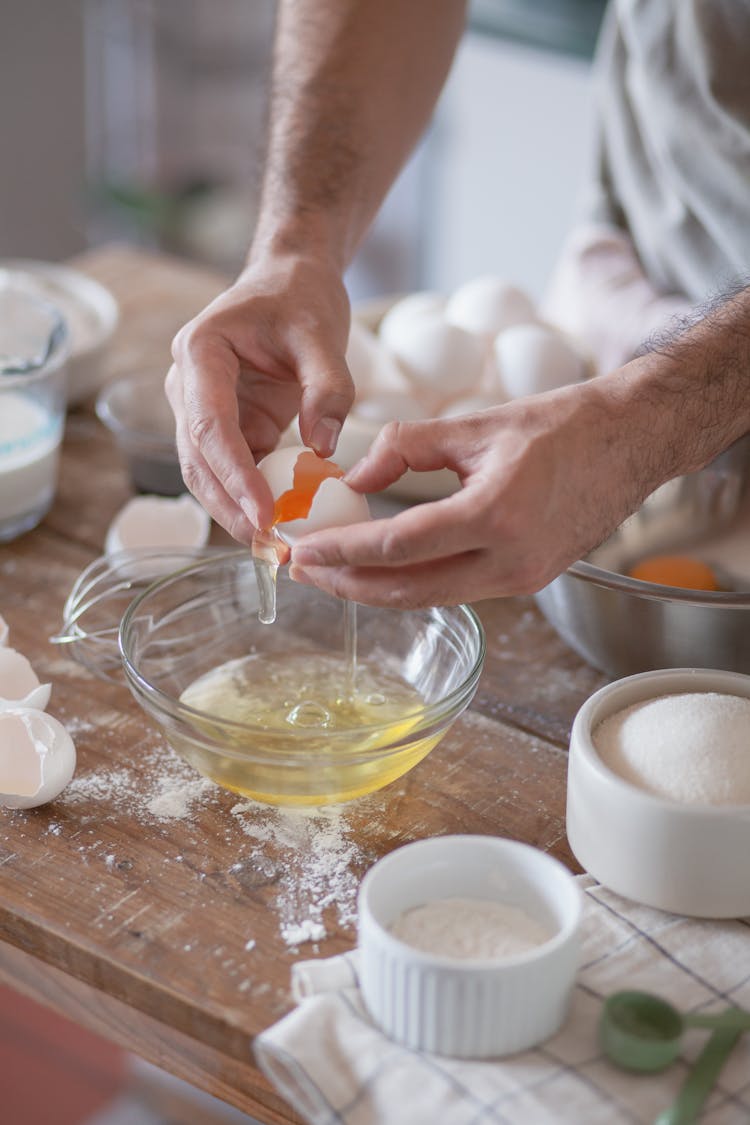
[(674, 152)]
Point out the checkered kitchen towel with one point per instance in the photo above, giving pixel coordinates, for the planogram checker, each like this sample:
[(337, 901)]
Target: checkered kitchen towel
[(329, 1061)]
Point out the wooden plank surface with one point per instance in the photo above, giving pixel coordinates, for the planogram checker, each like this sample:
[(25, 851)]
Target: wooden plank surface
[(177, 904)]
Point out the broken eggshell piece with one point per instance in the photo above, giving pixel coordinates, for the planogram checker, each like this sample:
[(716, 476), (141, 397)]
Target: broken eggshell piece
[(37, 758), (19, 683), (309, 494), (147, 524)]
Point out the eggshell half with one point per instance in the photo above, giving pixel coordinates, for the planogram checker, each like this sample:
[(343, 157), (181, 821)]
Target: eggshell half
[(487, 305), (37, 758), (334, 504), (158, 521), (532, 359), (19, 683)]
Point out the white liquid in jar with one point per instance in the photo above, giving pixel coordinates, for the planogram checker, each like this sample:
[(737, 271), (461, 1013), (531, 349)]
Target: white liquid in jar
[(29, 445)]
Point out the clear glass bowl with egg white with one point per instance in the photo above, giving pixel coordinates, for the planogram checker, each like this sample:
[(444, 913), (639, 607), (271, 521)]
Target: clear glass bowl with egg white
[(658, 803), (287, 713)]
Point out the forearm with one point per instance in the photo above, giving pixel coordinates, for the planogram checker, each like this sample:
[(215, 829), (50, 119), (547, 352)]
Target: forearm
[(685, 400), (354, 84)]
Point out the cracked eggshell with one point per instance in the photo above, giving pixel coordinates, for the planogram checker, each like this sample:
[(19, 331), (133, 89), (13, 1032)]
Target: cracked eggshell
[(334, 503), (158, 521), (37, 758), (19, 683), (487, 305), (532, 359), (371, 366)]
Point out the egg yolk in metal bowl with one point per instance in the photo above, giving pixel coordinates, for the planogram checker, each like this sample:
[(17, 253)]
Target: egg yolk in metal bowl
[(676, 570)]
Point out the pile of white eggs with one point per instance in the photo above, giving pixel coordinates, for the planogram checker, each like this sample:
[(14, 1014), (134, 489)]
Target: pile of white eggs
[(442, 356), (37, 755)]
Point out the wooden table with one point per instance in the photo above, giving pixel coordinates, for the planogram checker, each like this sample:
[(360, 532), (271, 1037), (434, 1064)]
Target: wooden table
[(162, 913)]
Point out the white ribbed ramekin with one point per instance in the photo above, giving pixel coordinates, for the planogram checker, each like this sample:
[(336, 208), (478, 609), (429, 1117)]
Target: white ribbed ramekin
[(468, 1008)]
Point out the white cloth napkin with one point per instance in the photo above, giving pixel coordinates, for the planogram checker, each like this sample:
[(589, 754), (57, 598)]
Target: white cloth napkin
[(335, 1068)]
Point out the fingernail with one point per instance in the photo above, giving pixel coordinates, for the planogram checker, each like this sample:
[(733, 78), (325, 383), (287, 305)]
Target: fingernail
[(325, 435), (249, 509)]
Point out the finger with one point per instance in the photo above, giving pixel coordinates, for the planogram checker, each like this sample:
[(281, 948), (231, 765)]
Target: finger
[(327, 396), (459, 578), (208, 370), (426, 446), (202, 483), (420, 534)]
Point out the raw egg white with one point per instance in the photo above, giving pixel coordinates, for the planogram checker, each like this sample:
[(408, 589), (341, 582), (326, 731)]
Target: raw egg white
[(487, 305), (308, 493), (532, 359), (37, 758), (19, 683)]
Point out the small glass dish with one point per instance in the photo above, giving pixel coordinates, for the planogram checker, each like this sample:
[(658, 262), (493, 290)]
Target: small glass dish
[(134, 408), (190, 623)]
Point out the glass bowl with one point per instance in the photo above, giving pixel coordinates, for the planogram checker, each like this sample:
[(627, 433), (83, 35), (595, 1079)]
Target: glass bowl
[(134, 408), (295, 722)]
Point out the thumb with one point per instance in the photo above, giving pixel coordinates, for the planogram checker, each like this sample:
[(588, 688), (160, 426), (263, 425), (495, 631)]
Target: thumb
[(421, 446), (327, 395)]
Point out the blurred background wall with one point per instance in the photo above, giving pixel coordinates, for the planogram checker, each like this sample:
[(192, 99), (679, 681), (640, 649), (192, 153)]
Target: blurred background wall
[(143, 120)]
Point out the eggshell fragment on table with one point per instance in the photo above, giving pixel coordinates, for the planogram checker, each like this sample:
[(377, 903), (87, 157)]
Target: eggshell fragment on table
[(487, 305), (332, 503), (158, 521), (19, 683), (532, 359), (37, 758)]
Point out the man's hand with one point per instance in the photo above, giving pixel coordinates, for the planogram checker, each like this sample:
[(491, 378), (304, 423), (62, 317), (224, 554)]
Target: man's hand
[(270, 346)]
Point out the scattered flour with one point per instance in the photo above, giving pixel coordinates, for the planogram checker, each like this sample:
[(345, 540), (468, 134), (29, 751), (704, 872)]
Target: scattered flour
[(175, 799), (692, 748), (320, 865), (469, 929)]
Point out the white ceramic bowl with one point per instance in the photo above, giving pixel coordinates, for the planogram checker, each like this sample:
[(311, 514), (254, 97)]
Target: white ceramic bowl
[(468, 1008), (90, 310), (688, 859)]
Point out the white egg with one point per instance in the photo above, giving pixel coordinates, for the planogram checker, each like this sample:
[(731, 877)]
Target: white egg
[(334, 503), (370, 364), (469, 405), (438, 357), (4, 631), (37, 758), (487, 305), (402, 313), (19, 683), (391, 406), (532, 359), (158, 521)]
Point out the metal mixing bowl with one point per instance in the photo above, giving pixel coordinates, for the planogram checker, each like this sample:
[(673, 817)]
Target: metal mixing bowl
[(623, 625)]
